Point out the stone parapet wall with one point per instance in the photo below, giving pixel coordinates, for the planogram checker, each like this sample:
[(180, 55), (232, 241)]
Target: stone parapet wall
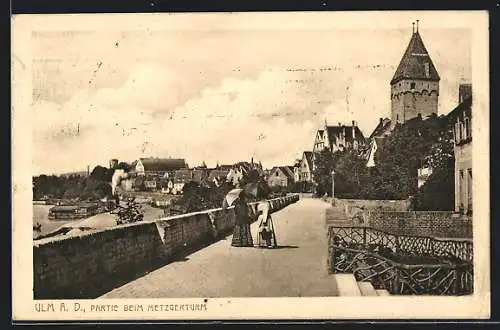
[(90, 264), (421, 223), (382, 205)]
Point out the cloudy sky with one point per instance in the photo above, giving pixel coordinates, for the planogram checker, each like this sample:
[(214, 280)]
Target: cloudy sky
[(216, 91)]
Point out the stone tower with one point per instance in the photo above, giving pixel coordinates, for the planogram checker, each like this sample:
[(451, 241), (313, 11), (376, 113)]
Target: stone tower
[(415, 85)]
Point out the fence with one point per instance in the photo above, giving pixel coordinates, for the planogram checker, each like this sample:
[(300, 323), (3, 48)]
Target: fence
[(402, 264)]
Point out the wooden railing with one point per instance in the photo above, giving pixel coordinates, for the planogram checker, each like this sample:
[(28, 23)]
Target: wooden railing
[(403, 265)]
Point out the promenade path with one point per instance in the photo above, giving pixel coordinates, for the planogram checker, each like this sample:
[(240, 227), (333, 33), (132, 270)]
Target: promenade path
[(297, 268)]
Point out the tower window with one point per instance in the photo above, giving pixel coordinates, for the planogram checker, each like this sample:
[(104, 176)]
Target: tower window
[(426, 67), (412, 85)]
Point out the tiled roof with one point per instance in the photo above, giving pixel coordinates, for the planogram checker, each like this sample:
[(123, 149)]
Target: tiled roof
[(217, 174), (381, 128), (412, 65), (285, 170), (163, 164), (336, 130)]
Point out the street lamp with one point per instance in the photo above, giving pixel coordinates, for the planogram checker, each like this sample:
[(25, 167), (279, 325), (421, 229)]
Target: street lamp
[(333, 184)]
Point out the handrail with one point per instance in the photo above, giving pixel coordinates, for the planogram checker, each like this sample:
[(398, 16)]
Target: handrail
[(442, 239), (364, 235)]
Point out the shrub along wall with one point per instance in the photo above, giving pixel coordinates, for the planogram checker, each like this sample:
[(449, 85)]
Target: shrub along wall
[(93, 263)]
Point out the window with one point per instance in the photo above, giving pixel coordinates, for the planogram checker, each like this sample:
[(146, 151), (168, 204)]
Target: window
[(412, 85), (466, 129), (277, 174)]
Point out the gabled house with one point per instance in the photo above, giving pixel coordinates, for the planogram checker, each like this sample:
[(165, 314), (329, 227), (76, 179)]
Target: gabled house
[(181, 177), (281, 176), (338, 137), (306, 167)]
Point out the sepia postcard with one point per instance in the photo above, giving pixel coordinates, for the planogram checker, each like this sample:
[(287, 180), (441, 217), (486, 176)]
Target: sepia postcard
[(286, 165)]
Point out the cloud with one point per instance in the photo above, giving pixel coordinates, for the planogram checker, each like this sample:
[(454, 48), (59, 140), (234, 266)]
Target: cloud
[(229, 122)]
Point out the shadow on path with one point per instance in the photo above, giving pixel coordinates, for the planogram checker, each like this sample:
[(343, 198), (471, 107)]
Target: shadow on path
[(279, 247)]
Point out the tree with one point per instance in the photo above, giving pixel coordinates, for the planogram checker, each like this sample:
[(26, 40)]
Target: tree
[(100, 173), (124, 166), (437, 193), (129, 213), (350, 174), (323, 166), (251, 176), (403, 152)]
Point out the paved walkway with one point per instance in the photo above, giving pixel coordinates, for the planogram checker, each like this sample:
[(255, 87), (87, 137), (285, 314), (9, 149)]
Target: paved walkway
[(297, 268)]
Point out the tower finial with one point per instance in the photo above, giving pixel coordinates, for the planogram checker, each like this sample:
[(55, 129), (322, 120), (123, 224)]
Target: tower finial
[(417, 25), (413, 28)]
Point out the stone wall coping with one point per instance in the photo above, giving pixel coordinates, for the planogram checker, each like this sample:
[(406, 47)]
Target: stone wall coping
[(370, 200)]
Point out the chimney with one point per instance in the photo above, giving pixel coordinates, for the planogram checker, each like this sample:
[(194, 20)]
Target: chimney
[(464, 91), (353, 130)]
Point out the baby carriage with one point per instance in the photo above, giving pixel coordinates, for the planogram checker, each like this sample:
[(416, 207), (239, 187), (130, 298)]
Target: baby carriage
[(266, 236)]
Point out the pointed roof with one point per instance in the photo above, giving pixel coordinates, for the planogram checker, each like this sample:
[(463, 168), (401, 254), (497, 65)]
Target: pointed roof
[(412, 65), (309, 158), (286, 170)]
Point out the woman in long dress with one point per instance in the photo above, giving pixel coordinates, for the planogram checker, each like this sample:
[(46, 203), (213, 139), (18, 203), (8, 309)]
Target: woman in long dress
[(242, 236)]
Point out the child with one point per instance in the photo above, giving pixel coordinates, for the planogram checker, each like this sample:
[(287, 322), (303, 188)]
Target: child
[(266, 236)]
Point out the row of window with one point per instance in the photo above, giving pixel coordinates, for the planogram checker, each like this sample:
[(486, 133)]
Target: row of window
[(462, 130)]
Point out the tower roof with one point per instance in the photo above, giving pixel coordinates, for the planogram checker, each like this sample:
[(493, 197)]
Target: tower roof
[(413, 63)]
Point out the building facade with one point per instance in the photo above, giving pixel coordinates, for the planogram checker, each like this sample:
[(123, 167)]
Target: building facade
[(281, 176), (305, 167), (339, 137), (461, 119), (415, 84)]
